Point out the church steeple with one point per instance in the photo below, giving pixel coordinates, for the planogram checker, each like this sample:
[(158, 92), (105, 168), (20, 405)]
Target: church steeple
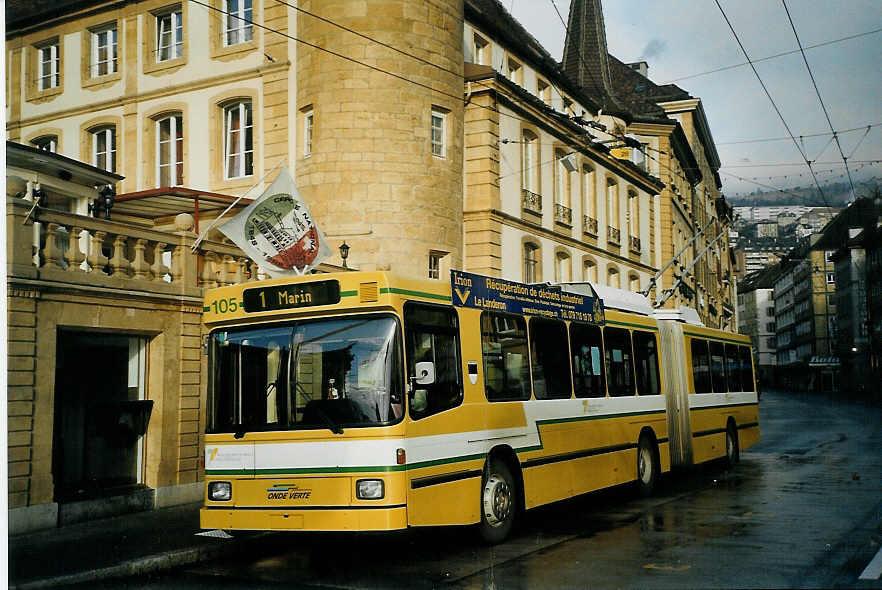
[(585, 56)]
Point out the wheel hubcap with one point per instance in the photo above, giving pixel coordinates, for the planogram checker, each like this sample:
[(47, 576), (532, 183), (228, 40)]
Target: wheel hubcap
[(644, 466), (497, 500), (730, 446)]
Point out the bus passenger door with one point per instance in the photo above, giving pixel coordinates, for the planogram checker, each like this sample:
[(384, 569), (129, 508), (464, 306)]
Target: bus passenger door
[(443, 485)]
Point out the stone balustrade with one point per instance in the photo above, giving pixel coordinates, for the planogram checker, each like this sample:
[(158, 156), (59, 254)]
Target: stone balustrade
[(77, 249)]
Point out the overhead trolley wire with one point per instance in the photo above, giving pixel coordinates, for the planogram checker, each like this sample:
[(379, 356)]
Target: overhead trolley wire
[(866, 128), (821, 100), (777, 55), (772, 100)]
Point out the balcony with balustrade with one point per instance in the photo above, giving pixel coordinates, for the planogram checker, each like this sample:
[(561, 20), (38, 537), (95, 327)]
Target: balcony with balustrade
[(613, 235), (531, 202), (589, 226), (634, 244), (563, 215)]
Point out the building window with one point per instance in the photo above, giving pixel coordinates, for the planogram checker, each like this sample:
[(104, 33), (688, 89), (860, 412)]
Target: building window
[(634, 283), (531, 263), (562, 268), (47, 143), (104, 148), (238, 140), (104, 52), (169, 35), (530, 144), (439, 134), (590, 271), (480, 50), (633, 214), (48, 62), (308, 127), (612, 277), (237, 22), (170, 151), (543, 90), (770, 327), (612, 203), (589, 203), (831, 278), (514, 71), (435, 264), (562, 179)]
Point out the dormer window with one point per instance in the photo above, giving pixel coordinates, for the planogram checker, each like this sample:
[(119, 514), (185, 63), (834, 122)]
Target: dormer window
[(543, 90)]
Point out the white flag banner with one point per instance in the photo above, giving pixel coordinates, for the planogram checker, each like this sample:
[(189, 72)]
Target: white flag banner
[(277, 231)]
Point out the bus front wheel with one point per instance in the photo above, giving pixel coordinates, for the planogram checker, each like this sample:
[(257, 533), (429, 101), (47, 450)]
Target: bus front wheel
[(498, 502), (647, 466)]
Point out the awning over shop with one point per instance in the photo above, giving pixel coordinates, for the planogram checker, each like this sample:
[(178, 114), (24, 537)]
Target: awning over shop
[(824, 361)]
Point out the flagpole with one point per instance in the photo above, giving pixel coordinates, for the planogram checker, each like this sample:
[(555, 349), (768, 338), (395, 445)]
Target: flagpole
[(233, 204)]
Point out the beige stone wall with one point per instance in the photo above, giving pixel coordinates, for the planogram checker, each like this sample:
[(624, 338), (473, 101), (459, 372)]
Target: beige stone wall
[(21, 367), (371, 178)]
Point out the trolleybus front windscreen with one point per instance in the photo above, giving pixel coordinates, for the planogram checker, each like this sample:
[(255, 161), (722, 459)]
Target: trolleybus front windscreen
[(329, 373)]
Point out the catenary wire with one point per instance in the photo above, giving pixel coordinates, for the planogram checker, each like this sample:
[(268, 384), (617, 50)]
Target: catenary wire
[(820, 99), (766, 90)]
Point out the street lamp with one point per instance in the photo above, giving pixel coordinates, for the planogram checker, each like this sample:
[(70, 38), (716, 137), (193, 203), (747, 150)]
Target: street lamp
[(344, 252), (104, 202)]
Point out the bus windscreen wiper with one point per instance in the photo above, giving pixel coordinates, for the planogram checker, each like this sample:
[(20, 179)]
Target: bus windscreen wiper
[(332, 426)]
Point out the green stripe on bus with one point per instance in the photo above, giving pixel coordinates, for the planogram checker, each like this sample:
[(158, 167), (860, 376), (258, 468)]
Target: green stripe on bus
[(348, 293), (398, 291), (303, 470), (447, 461)]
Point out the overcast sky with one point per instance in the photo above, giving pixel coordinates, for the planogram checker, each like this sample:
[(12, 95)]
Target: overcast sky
[(680, 38)]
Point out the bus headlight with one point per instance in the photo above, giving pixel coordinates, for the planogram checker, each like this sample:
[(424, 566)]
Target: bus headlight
[(369, 489), (220, 491)]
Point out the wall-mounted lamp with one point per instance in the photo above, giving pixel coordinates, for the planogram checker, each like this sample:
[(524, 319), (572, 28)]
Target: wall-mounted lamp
[(104, 202), (344, 252)]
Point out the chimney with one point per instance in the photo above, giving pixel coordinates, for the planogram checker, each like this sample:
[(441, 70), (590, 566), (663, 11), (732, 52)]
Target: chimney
[(641, 67)]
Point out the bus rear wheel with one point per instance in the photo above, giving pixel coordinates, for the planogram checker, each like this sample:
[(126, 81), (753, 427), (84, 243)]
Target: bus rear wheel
[(498, 502), (732, 454), (647, 466)]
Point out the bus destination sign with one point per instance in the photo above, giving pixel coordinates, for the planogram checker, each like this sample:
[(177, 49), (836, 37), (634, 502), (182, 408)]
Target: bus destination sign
[(291, 296), (480, 292)]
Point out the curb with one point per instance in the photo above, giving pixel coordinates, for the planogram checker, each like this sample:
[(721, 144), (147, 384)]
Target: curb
[(144, 565)]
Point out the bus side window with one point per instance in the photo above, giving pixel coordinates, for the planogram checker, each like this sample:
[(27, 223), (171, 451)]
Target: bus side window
[(432, 335), (747, 382), (619, 362), (700, 366), (733, 371), (646, 363), (551, 368), (587, 352), (506, 358), (718, 367)]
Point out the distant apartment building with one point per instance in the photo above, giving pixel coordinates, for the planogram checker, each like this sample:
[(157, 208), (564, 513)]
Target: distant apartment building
[(805, 321), (756, 318), (856, 236)]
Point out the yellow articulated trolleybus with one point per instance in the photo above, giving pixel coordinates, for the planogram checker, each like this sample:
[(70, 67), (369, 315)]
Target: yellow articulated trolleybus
[(362, 401)]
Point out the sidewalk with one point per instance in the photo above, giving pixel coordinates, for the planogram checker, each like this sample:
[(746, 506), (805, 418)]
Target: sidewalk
[(119, 546)]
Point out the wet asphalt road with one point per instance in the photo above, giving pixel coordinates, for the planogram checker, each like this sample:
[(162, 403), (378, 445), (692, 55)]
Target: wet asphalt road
[(802, 509)]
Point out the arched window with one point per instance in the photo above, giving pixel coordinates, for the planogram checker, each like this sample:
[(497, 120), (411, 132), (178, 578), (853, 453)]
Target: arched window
[(531, 262), (612, 277), (170, 150), (633, 283), (589, 271), (238, 140), (47, 143), (104, 147), (562, 268), (561, 179)]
